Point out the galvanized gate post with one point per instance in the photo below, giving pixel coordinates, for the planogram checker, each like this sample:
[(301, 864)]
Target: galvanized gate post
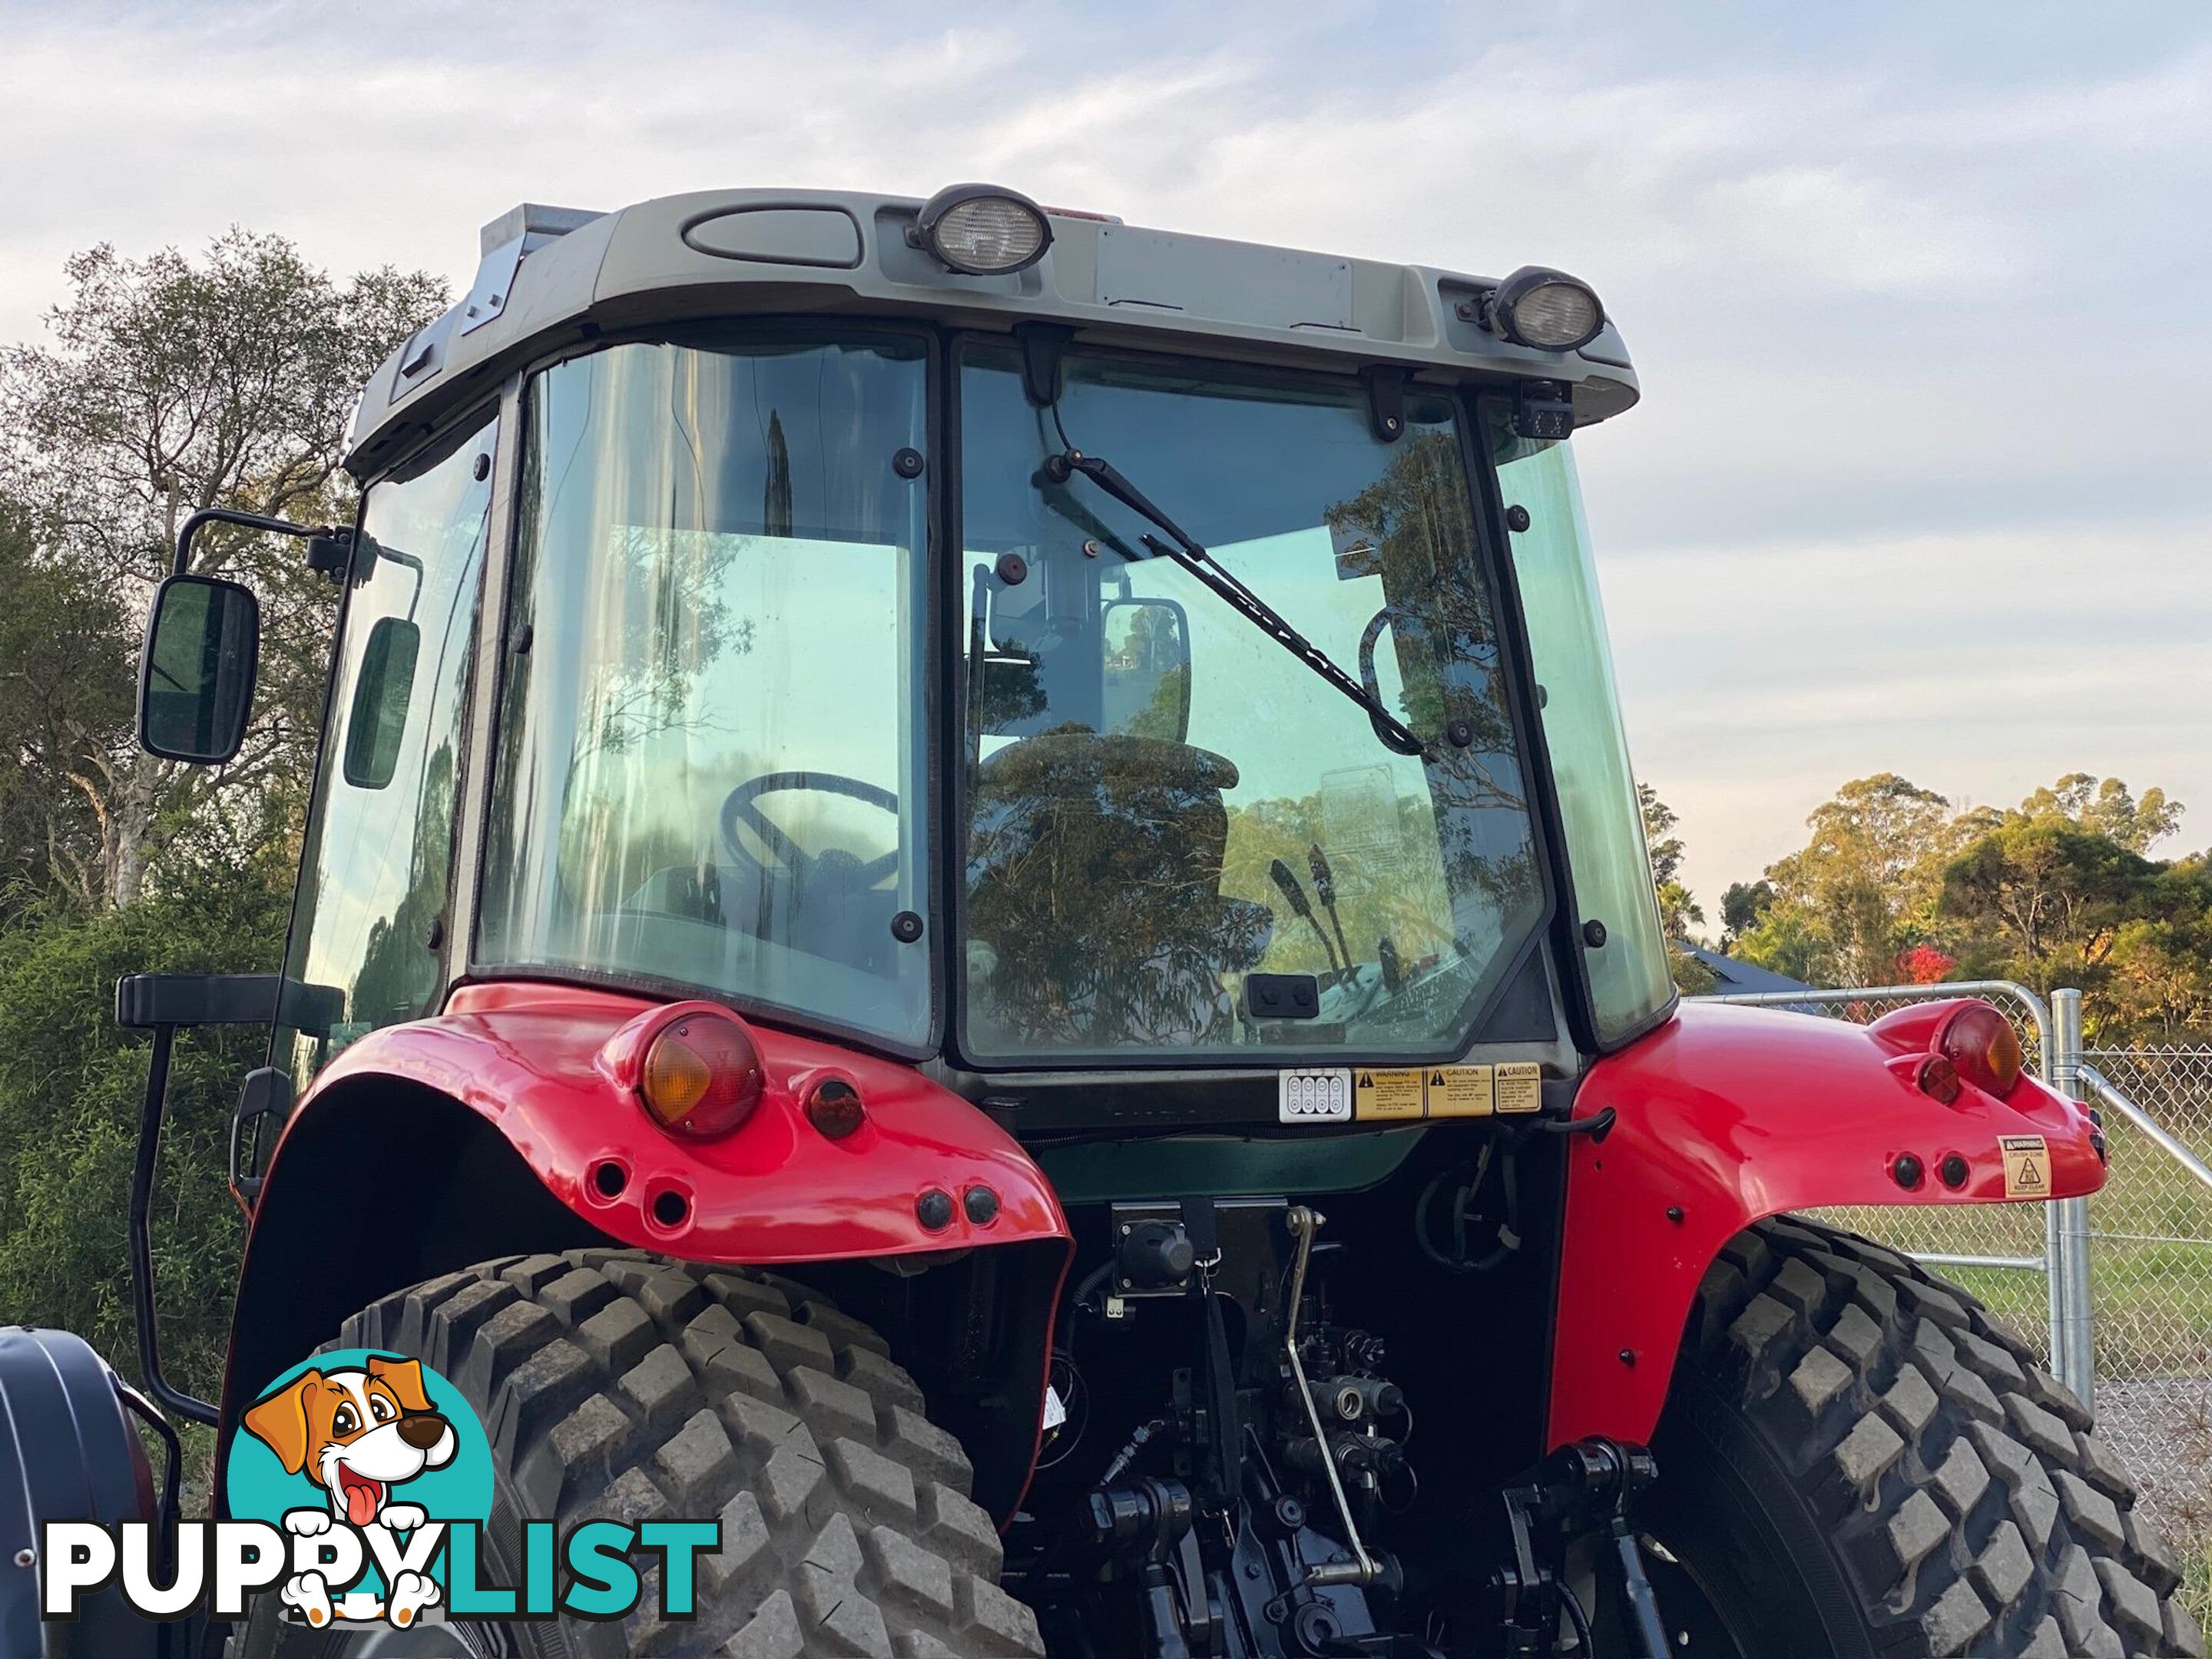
[(2066, 1223)]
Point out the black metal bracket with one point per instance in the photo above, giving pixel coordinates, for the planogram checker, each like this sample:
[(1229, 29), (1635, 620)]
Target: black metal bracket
[(1042, 345), (330, 547), (1385, 384), (267, 1092), (1543, 409), (164, 1004), (1586, 1487)]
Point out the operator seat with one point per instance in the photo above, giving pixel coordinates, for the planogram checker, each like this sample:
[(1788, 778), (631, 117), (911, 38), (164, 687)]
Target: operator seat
[(1094, 880)]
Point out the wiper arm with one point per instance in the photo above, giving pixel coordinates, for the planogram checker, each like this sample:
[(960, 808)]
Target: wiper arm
[(1193, 558)]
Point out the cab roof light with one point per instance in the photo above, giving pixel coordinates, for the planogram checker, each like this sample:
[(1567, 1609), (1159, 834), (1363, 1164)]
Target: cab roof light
[(981, 230), (1544, 309)]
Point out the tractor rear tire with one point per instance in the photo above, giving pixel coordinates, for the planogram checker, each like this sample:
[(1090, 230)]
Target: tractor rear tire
[(616, 1384), (1857, 1460)]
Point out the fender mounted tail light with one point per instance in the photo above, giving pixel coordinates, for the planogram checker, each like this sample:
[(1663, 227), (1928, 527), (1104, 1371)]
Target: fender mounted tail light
[(701, 1077), (1981, 1043)]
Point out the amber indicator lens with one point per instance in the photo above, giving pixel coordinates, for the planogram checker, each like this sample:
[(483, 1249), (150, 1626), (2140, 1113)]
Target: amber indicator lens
[(701, 1077), (1981, 1042), (834, 1108)]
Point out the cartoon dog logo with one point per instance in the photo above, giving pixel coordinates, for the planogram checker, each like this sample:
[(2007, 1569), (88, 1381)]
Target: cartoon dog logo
[(358, 1434)]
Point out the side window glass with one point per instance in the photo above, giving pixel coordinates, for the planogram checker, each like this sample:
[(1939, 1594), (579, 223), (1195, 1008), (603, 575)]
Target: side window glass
[(1629, 979), (368, 922)]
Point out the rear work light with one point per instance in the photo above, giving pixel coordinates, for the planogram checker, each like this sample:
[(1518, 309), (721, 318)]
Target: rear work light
[(701, 1077), (1544, 308), (1981, 1043), (981, 230)]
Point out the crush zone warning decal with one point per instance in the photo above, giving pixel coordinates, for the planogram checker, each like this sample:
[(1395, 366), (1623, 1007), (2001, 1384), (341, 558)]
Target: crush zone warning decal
[(2027, 1166)]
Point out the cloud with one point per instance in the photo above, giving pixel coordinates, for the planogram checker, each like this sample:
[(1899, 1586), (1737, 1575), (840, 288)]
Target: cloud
[(1918, 481), (1979, 664)]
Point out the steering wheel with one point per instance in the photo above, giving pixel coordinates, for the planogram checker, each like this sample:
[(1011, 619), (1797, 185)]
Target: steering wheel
[(739, 809)]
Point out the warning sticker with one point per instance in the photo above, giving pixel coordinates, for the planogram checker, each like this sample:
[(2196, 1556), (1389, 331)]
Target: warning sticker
[(1315, 1097), (1520, 1086), (1386, 1094), (1459, 1090), (2027, 1166)]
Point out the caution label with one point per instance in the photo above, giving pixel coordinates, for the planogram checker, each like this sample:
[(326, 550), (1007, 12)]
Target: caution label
[(1520, 1086), (1377, 1093), (1459, 1090), (2027, 1166)]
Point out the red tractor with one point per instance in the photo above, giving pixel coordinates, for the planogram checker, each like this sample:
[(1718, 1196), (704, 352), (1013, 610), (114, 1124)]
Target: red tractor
[(974, 905)]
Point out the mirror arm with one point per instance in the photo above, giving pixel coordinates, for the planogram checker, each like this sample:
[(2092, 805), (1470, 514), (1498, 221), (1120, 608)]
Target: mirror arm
[(317, 557)]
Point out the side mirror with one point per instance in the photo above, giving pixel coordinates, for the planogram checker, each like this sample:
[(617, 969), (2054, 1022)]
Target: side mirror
[(196, 676), (382, 691), (1147, 667)]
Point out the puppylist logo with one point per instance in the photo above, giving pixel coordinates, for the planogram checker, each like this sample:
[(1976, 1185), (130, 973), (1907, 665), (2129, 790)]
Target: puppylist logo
[(359, 1486)]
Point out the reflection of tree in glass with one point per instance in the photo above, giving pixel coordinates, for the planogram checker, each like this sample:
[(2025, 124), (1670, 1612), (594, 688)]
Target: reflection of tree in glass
[(1162, 716), (1393, 888), (1094, 872), (665, 622), (399, 969), (1417, 518)]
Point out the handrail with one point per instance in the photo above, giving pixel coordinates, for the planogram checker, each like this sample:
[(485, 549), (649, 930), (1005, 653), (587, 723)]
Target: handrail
[(2102, 1087), (2038, 1010)]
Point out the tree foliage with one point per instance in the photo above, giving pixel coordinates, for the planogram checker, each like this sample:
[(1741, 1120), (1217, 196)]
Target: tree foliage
[(166, 385), (171, 385), (2061, 890)]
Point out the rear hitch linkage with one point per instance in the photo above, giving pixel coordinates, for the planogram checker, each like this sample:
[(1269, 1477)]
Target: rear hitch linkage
[(1579, 1489)]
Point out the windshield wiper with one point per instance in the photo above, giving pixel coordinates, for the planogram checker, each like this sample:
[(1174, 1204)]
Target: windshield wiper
[(1193, 558)]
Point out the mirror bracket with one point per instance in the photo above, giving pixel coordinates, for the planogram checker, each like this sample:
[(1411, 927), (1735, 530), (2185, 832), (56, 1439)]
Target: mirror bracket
[(330, 553), (1385, 384), (315, 536)]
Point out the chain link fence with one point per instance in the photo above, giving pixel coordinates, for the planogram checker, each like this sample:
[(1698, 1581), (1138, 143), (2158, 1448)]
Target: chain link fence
[(2149, 1246)]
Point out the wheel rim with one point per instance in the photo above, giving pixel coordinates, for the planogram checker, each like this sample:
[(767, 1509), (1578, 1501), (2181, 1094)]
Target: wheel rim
[(1696, 1626)]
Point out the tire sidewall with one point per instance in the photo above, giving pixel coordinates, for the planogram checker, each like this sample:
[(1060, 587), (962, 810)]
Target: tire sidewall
[(1732, 1515)]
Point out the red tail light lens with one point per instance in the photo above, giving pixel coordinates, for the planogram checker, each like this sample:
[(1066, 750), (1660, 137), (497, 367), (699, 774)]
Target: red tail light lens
[(835, 1108), (1981, 1042), (701, 1077), (1939, 1079)]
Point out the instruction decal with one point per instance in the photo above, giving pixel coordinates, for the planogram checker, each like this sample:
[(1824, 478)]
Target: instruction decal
[(2027, 1166), (1387, 1094), (1319, 1096), (1460, 1091), (1520, 1086)]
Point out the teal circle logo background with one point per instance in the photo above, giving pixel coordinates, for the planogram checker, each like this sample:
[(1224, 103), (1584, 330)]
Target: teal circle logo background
[(259, 1489)]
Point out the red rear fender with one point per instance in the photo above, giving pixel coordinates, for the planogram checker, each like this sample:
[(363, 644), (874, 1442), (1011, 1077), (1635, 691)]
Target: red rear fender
[(529, 1059), (1725, 1115)]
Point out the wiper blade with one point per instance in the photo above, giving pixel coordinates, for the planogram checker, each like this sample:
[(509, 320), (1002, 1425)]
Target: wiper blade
[(1187, 553)]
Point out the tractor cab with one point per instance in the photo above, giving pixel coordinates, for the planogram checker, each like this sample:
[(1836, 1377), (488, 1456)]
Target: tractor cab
[(995, 670), (974, 905)]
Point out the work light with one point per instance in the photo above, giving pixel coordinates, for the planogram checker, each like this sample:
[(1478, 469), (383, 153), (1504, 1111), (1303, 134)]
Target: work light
[(982, 230), (1544, 308)]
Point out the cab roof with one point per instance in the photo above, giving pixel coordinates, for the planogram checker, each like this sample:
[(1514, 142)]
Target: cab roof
[(555, 278)]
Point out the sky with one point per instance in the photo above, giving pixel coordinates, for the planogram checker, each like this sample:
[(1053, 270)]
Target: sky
[(1921, 481)]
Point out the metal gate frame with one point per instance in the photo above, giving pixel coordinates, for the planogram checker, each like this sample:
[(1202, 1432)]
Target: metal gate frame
[(2064, 1262)]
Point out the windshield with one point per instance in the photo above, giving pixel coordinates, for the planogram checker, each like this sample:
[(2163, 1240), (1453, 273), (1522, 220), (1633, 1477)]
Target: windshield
[(712, 760), (1179, 836)]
